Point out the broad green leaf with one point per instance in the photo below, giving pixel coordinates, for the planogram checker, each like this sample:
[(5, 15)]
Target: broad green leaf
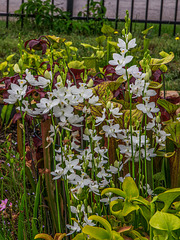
[(130, 188), (146, 213), (117, 236), (90, 62), (9, 58), (174, 130), (43, 236), (3, 65), (125, 105), (145, 32), (116, 191), (73, 49), (136, 114), (100, 39), (166, 58), (129, 207), (168, 197), (142, 200), (138, 235), (170, 107), (68, 44), (160, 236), (155, 85), (106, 29), (80, 236), (116, 208), (59, 236), (165, 221), (89, 46), (103, 221), (55, 39), (100, 54), (96, 232), (114, 44), (76, 64)]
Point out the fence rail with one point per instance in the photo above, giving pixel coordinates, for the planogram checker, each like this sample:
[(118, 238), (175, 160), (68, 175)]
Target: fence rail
[(145, 20)]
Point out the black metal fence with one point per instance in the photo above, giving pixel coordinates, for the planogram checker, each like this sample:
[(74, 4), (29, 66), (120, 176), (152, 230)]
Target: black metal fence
[(116, 19)]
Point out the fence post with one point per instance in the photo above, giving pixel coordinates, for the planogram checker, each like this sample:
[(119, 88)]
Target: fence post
[(117, 13), (146, 15), (70, 7), (22, 17), (175, 18), (7, 12), (87, 10), (132, 10), (161, 12)]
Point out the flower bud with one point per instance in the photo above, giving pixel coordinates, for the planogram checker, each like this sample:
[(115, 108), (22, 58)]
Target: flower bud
[(16, 68), (87, 132), (112, 184), (89, 209), (90, 83), (123, 32), (20, 62), (158, 119), (116, 164), (129, 36), (78, 207), (85, 202), (56, 68), (79, 191), (108, 104), (47, 75)]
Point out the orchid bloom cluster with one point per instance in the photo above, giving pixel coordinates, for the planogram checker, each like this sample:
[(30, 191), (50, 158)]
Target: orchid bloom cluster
[(61, 100), (137, 89)]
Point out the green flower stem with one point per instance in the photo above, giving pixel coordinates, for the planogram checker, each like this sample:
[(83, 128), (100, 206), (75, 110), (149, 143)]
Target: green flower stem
[(68, 199), (24, 168), (145, 161), (140, 172), (56, 186), (130, 124)]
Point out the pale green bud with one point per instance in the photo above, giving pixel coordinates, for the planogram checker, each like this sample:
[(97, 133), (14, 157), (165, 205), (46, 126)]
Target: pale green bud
[(20, 63), (85, 202), (90, 83), (87, 132), (56, 68), (121, 157), (129, 36), (108, 104), (158, 119), (47, 75), (16, 68), (116, 163), (112, 184), (79, 191), (89, 209), (123, 32)]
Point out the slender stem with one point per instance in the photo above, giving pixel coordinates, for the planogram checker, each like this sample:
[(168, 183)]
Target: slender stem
[(56, 186), (145, 161), (130, 124), (24, 169)]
